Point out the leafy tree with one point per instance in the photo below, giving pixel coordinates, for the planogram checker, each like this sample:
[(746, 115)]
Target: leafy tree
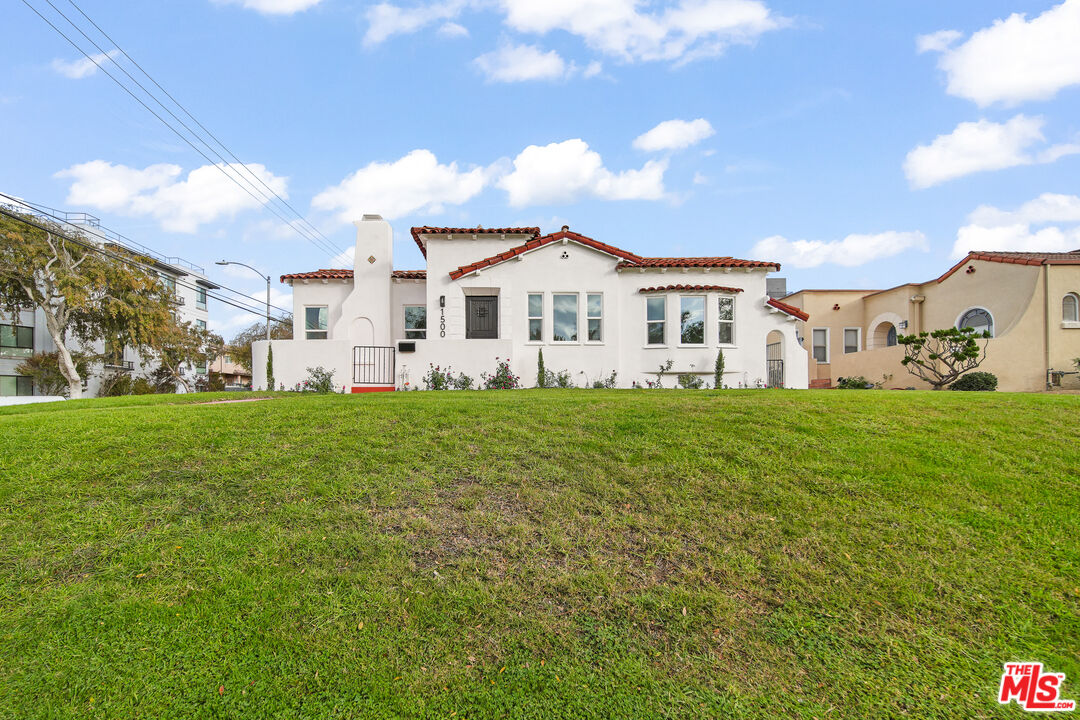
[(85, 295), (44, 370), (941, 356), (718, 373), (240, 347), (269, 366), (181, 345)]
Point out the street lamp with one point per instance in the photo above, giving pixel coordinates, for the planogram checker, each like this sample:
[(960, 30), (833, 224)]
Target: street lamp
[(265, 277)]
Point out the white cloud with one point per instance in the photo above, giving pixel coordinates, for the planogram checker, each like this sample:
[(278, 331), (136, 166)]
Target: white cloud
[(416, 182), (685, 30), (939, 41), (79, 69), (204, 196), (274, 7), (1015, 59), (990, 228), (674, 135), (852, 251), (700, 179), (563, 172), (518, 63), (593, 69), (386, 20), (453, 30), (981, 146)]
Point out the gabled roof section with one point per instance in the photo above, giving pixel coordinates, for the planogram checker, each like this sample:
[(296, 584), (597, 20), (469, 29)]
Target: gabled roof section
[(347, 274), (1017, 258), (428, 230), (789, 309), (694, 288), (325, 274), (696, 262), (539, 242)]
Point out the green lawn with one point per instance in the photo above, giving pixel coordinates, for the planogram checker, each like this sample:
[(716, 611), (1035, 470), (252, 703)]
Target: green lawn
[(537, 554)]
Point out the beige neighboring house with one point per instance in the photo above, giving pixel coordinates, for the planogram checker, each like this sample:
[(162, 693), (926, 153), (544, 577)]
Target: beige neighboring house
[(234, 374), (1030, 303)]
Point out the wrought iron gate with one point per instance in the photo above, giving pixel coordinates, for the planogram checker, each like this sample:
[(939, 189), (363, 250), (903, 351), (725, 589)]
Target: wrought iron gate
[(774, 363), (373, 365)]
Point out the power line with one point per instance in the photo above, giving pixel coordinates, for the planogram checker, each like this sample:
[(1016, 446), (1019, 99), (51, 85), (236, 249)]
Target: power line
[(326, 247), (131, 261), (194, 119), (42, 210)]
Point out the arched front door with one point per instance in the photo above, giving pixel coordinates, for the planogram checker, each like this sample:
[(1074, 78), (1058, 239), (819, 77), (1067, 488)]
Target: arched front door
[(774, 358)]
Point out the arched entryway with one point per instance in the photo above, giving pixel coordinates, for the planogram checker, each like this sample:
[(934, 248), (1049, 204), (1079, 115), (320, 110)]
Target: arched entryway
[(774, 359), (884, 335)]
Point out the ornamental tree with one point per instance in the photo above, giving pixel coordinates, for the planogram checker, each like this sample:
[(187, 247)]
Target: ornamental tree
[(941, 356), (182, 345), (85, 293), (240, 347)]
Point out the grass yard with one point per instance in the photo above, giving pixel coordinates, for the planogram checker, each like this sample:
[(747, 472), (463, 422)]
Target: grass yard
[(579, 554)]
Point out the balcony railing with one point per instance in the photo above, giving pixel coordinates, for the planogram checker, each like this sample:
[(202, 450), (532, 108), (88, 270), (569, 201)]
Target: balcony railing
[(125, 365)]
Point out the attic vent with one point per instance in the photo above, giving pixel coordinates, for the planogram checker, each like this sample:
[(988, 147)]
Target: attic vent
[(565, 255)]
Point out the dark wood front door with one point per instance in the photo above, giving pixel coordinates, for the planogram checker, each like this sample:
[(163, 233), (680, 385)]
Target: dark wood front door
[(481, 316)]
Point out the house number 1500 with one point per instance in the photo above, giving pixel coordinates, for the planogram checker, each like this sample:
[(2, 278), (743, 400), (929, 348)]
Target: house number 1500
[(442, 322)]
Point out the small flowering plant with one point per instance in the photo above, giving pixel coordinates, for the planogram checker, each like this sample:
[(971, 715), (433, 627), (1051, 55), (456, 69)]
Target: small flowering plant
[(502, 379)]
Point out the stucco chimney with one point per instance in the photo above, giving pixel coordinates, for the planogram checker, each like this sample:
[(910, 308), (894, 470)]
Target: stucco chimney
[(365, 316)]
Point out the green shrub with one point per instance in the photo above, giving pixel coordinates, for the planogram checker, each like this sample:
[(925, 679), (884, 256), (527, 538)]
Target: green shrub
[(320, 380), (44, 370), (270, 367), (855, 382), (142, 386), (502, 379), (608, 383), (690, 381), (462, 382), (976, 381), (718, 372), (541, 374), (115, 384)]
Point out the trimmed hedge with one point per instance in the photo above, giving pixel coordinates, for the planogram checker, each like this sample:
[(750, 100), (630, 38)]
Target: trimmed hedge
[(976, 381)]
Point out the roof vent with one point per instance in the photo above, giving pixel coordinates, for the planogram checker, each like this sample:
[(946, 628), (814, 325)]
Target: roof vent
[(371, 217)]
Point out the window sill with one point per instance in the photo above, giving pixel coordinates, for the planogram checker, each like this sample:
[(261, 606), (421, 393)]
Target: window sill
[(695, 346), (594, 342), (654, 347), (1068, 325), (534, 342), (565, 342)]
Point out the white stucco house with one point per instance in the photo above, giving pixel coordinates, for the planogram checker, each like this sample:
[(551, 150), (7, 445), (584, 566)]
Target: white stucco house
[(506, 293)]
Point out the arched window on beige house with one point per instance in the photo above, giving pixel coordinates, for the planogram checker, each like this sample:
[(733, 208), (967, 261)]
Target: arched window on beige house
[(1070, 308)]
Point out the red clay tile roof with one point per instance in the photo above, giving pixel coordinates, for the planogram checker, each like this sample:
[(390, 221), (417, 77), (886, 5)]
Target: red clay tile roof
[(697, 288), (696, 262), (427, 230), (789, 309), (326, 274), (347, 274), (1017, 258), (540, 242)]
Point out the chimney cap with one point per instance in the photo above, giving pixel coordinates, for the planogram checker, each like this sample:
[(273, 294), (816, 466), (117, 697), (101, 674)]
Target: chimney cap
[(565, 228), (367, 217)]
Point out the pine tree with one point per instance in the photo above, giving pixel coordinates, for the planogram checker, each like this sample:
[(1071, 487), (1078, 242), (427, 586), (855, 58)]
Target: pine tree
[(718, 374), (541, 375), (269, 367)]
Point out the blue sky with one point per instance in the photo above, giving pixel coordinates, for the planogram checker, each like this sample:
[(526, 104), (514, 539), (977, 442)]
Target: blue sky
[(860, 144)]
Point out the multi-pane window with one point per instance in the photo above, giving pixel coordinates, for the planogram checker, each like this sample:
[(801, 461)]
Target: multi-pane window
[(1070, 308), (13, 385), (316, 322), (692, 321), (536, 317), (978, 320), (655, 316), (200, 298), (726, 320), (565, 313), (201, 324), (415, 322), (851, 340), (594, 315), (169, 282), (16, 341), (821, 344)]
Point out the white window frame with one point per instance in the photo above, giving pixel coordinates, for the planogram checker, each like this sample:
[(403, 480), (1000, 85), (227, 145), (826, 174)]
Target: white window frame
[(200, 298), (993, 320), (1075, 320), (662, 322), (577, 318), (828, 339), (704, 321), (720, 322), (326, 332), (529, 317), (858, 340), (599, 317), (405, 322)]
